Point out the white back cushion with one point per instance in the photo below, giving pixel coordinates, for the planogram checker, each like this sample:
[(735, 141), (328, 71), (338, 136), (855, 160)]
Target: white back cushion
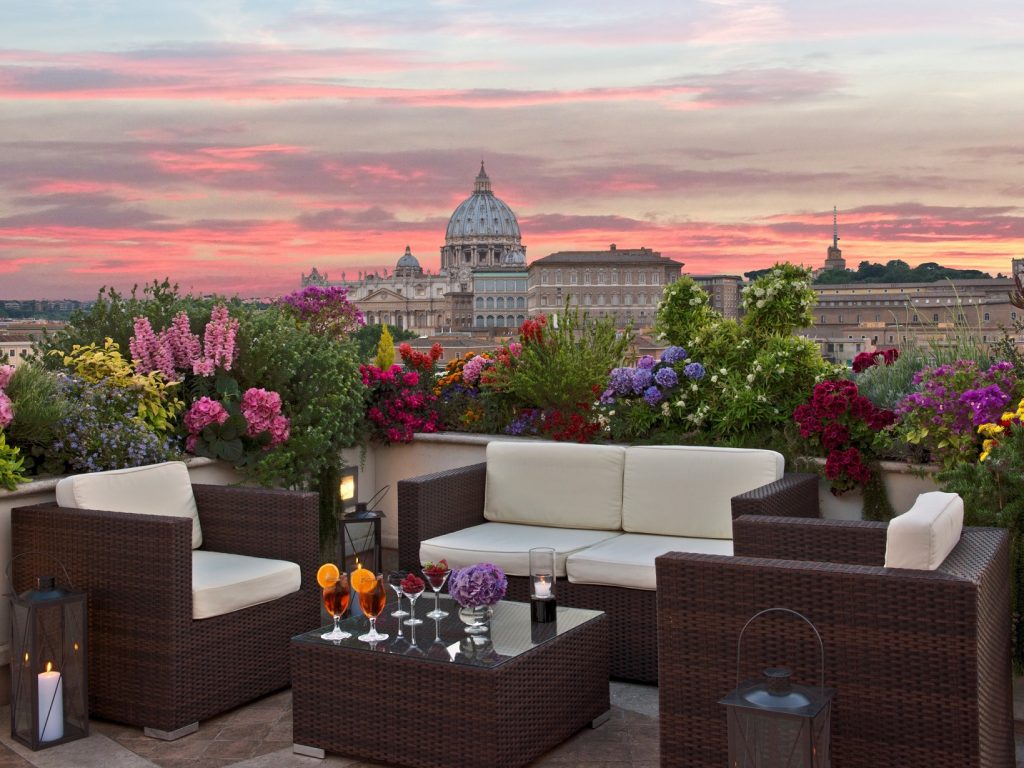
[(924, 535), (561, 485), (157, 489), (678, 490)]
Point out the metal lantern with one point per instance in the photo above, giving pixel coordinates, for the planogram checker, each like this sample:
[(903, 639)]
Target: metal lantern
[(774, 723), (542, 585), (49, 697), (355, 519)]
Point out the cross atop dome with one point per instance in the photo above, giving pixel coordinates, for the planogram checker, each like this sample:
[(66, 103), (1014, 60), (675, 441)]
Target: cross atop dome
[(482, 185)]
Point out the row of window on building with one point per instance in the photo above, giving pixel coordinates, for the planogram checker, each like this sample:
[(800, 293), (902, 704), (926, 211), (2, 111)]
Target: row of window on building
[(600, 277), (960, 318), (500, 302)]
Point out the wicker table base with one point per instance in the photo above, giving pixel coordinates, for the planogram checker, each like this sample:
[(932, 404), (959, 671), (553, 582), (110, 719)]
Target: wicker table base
[(427, 711)]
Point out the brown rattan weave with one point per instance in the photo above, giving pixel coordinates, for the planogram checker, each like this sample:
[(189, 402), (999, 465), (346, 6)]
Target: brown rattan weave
[(401, 710), (920, 660), (431, 505), (150, 663)]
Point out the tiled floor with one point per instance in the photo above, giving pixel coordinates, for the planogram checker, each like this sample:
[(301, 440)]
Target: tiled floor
[(260, 736)]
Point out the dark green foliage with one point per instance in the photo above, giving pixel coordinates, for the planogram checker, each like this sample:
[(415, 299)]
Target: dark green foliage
[(367, 338), (896, 271), (993, 494)]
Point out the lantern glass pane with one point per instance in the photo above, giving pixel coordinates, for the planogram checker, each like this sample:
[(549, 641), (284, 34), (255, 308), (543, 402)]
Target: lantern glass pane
[(760, 739)]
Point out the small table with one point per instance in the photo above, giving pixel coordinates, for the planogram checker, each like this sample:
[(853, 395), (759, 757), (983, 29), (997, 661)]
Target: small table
[(440, 698)]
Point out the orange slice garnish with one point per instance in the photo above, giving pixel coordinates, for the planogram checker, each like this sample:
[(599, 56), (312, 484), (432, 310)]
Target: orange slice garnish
[(362, 580), (327, 575)]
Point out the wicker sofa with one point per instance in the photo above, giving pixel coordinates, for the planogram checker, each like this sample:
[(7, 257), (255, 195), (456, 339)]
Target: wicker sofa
[(919, 659), (152, 662), (608, 511)]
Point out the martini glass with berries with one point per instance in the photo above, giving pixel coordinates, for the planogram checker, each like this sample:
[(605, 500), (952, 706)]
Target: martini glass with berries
[(412, 588), (436, 575)]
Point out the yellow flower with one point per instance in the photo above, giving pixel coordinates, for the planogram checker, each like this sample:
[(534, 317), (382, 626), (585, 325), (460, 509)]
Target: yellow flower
[(986, 449), (990, 430)]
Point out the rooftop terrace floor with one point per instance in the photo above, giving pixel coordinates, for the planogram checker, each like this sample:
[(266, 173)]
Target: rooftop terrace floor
[(259, 735)]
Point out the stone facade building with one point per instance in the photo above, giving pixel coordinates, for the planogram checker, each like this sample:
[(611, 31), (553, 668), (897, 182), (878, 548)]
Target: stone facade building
[(482, 247), (724, 291), (623, 284)]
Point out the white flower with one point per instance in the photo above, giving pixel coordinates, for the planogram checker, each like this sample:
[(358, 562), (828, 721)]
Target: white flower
[(760, 303), (714, 379), (722, 371), (665, 409), (750, 378), (693, 386)]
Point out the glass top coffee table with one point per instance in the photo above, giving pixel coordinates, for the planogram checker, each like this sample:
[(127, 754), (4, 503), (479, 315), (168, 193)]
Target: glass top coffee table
[(441, 698)]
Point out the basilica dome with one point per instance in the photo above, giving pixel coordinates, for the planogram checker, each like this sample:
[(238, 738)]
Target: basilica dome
[(482, 215), (408, 264)]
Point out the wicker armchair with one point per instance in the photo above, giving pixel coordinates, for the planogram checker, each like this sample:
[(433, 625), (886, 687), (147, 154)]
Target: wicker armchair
[(920, 660), (150, 663), (438, 503)]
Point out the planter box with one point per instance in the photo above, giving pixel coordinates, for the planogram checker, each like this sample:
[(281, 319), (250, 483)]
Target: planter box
[(903, 484), (43, 490)]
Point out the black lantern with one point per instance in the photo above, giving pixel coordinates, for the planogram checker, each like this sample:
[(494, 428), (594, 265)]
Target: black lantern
[(355, 519), (49, 698), (774, 723)]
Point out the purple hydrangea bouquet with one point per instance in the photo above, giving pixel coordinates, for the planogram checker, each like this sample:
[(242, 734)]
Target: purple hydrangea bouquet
[(477, 585)]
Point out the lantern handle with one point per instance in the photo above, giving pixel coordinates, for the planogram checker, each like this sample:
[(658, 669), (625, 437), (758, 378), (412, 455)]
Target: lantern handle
[(821, 645), (10, 565)]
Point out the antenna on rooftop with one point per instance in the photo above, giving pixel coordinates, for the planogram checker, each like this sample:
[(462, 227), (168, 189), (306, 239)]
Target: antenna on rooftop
[(835, 229)]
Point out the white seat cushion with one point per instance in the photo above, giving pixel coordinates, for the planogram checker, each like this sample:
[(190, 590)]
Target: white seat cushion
[(558, 485), (677, 490), (222, 582), (156, 489), (508, 546), (923, 536), (628, 560)]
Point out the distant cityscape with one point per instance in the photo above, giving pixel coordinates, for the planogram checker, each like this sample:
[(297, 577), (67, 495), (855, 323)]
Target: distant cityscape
[(486, 289)]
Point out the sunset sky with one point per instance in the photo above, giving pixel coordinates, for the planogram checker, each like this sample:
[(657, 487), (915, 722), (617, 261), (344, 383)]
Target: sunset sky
[(233, 145)]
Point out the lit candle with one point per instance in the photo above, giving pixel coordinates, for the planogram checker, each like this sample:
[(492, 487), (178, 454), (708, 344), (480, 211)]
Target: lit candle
[(542, 587), (51, 704)]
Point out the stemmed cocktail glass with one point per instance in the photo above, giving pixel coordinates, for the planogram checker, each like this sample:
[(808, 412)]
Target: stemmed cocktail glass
[(412, 587), (437, 574), (372, 600), (395, 582), (336, 599)]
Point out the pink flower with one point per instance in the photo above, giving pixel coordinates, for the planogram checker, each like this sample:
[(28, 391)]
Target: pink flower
[(279, 430), (219, 346), (260, 407), (6, 410), (184, 346), (203, 413), (148, 352), (6, 371)]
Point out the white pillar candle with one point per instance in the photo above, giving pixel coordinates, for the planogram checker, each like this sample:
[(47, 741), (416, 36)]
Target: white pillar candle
[(542, 587), (51, 704)]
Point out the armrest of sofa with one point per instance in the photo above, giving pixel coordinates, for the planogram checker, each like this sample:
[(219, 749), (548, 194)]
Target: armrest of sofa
[(795, 495), (127, 563), (859, 542), (438, 503), (261, 522)]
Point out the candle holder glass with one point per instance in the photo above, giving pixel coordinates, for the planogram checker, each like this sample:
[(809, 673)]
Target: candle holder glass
[(543, 604)]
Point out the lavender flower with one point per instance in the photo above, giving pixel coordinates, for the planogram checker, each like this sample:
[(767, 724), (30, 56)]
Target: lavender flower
[(673, 355), (477, 585), (987, 403), (642, 379), (666, 378), (694, 371), (652, 395), (620, 381)]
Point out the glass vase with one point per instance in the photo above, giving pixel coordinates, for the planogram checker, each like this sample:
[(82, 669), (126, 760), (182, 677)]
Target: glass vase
[(476, 618)]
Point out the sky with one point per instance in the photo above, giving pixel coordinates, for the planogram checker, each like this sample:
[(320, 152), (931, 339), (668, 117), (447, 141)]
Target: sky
[(231, 146)]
